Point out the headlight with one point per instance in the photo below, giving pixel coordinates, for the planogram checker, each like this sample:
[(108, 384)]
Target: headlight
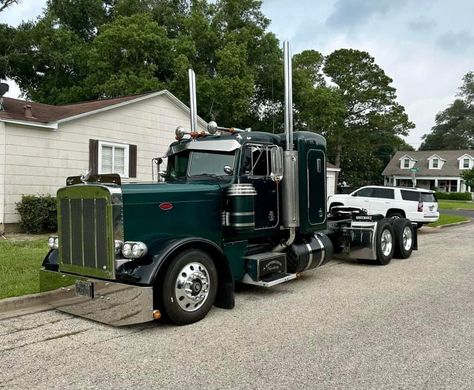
[(134, 250), (139, 249), (127, 250), (118, 246), (53, 242)]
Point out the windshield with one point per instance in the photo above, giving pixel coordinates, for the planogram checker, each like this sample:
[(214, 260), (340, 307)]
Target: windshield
[(197, 163)]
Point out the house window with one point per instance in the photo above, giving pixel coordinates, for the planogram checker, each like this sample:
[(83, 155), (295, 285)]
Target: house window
[(406, 163), (435, 163), (112, 157), (465, 163)]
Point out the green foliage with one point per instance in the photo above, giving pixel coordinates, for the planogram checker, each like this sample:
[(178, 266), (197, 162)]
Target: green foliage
[(454, 128), (368, 132), (454, 195), (38, 214), (445, 219), (20, 261), (468, 176)]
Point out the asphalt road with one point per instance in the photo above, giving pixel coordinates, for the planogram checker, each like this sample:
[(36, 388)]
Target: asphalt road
[(408, 325), (464, 213)]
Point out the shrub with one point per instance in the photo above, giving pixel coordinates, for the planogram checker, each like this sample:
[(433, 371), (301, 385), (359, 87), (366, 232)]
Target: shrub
[(454, 195), (37, 214)]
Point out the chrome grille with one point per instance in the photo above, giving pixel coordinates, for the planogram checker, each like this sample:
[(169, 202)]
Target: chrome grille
[(85, 232)]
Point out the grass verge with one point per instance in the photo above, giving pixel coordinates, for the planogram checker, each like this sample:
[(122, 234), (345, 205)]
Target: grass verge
[(20, 261), (445, 219), (455, 204)]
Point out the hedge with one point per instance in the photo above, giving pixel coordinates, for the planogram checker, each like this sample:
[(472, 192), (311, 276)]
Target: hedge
[(37, 213), (454, 195)]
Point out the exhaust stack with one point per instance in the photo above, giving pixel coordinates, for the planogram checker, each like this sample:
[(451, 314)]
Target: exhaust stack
[(192, 100), (291, 209)]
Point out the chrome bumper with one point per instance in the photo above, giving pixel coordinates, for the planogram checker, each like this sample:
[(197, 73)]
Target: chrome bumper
[(112, 303)]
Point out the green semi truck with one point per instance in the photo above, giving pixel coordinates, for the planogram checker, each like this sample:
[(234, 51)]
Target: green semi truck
[(233, 206)]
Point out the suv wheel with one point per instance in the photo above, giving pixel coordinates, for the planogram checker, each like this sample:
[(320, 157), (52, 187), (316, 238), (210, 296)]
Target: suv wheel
[(395, 214)]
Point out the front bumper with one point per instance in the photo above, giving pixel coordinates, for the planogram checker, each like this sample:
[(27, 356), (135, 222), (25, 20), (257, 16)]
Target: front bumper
[(112, 303)]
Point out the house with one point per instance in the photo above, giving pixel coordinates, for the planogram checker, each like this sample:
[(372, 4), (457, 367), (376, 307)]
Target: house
[(331, 171), (41, 145), (432, 169)]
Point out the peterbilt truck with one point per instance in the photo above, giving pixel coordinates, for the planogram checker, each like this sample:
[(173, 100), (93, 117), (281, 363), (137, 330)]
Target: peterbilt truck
[(233, 206)]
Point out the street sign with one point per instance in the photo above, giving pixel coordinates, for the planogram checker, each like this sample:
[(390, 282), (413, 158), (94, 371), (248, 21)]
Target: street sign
[(414, 170)]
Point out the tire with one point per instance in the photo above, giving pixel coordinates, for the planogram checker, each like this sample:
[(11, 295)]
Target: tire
[(384, 242), (395, 215), (194, 269), (419, 225), (404, 235)]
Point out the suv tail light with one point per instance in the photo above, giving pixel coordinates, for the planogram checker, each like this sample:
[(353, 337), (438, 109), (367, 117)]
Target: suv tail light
[(420, 206)]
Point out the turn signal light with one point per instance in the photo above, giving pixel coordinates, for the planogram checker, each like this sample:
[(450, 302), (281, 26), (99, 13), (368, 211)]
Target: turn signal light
[(156, 314)]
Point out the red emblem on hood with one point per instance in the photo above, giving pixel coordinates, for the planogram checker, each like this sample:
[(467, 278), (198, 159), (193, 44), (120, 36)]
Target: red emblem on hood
[(166, 206)]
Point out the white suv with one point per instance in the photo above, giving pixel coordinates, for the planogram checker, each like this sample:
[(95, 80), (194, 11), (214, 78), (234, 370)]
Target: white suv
[(416, 204)]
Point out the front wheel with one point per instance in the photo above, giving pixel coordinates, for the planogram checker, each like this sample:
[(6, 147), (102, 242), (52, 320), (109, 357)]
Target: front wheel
[(189, 287), (384, 242)]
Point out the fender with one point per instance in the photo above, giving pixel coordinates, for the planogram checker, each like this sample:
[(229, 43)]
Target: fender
[(151, 269)]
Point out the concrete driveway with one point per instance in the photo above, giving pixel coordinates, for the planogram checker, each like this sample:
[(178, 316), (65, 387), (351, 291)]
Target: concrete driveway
[(408, 325)]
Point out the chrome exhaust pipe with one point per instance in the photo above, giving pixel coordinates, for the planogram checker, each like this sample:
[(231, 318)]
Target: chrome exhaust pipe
[(192, 100), (290, 199)]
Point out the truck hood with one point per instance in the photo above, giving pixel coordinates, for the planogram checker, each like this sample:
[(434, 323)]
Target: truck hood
[(160, 211)]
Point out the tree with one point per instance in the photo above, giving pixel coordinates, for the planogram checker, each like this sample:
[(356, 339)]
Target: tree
[(372, 116), (468, 177), (454, 126), (4, 4)]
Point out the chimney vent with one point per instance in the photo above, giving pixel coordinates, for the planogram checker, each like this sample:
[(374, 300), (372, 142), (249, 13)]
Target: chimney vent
[(28, 111)]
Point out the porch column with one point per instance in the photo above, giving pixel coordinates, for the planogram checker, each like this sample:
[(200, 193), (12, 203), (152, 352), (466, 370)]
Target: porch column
[(458, 185), (436, 182)]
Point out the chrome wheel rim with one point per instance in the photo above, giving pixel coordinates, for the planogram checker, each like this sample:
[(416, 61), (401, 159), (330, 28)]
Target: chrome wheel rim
[(386, 242), (192, 286), (407, 238)]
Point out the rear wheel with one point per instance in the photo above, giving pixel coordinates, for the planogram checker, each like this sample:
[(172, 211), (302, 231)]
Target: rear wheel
[(384, 242), (395, 214), (404, 235), (189, 287)]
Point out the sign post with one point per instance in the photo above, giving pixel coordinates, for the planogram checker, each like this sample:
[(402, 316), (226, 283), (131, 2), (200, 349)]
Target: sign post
[(413, 175)]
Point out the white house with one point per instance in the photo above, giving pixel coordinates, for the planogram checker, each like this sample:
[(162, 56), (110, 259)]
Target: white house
[(331, 185), (440, 169), (41, 145)]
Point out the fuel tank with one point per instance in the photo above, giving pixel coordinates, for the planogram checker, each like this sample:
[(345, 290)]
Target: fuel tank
[(308, 253)]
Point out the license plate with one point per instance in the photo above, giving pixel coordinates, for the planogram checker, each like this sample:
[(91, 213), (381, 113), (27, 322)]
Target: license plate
[(85, 289)]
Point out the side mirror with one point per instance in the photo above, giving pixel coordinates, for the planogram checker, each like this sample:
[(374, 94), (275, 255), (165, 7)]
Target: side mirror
[(228, 170), (276, 159)]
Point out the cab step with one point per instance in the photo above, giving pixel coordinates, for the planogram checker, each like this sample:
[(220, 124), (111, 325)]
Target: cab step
[(269, 280)]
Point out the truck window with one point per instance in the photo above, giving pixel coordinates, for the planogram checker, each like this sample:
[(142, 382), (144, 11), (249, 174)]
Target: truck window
[(410, 195), (210, 163), (178, 164), (256, 160), (385, 193)]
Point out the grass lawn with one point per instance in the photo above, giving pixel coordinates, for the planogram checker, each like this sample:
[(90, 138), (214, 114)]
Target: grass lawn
[(20, 261), (447, 219), (455, 204)]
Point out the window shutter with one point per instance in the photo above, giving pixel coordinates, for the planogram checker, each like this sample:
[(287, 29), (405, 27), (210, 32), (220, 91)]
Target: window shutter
[(132, 161), (94, 156)]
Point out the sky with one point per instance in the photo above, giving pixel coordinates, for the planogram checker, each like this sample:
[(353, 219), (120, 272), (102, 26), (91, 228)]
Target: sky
[(425, 46)]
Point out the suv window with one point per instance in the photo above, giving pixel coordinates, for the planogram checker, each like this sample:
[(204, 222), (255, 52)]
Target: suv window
[(364, 192), (410, 195), (386, 193)]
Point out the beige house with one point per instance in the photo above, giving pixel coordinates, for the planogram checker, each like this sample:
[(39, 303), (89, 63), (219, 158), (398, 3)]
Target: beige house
[(41, 145), (431, 169), (331, 184)]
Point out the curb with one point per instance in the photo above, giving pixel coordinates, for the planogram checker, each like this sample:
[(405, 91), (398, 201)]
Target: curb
[(452, 224), (25, 301)]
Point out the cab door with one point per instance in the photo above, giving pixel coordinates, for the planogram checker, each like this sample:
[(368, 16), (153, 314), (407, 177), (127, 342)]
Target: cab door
[(256, 169)]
